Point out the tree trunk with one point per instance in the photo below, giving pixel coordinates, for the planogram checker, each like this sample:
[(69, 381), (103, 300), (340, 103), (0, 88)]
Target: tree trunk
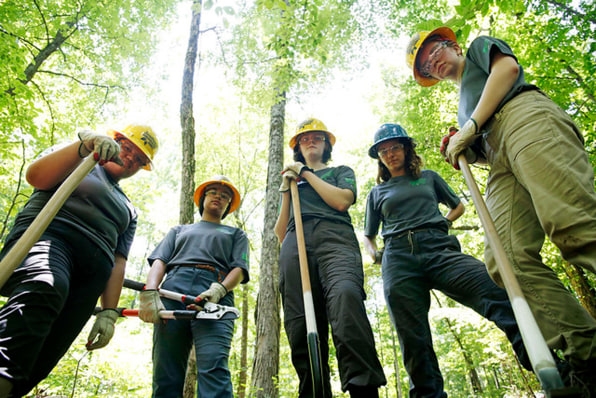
[(187, 185), (266, 358), (579, 282), (242, 377), (187, 121)]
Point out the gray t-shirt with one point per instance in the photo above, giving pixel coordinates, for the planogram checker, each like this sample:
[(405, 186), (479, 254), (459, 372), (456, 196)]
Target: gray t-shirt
[(222, 246), (404, 203), (476, 71), (97, 209)]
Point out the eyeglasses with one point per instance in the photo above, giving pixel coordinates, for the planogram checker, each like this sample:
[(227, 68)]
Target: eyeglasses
[(434, 53), (222, 194), (392, 149), (128, 149), (305, 139)]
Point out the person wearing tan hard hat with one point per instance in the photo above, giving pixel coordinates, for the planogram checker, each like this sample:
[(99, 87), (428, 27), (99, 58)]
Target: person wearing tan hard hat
[(80, 256), (325, 195), (206, 259), (541, 182)]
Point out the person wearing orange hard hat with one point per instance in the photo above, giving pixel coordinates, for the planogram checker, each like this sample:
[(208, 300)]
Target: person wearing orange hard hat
[(337, 279), (541, 182), (80, 256), (208, 260)]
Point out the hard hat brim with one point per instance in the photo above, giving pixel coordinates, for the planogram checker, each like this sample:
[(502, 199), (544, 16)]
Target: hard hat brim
[(294, 139), (372, 151)]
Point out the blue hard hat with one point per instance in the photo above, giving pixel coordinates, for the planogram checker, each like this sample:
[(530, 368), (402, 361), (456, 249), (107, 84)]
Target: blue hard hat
[(387, 131)]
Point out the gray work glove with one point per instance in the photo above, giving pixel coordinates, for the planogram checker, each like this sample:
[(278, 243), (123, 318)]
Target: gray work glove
[(106, 148), (460, 142), (471, 156), (150, 306), (285, 182), (103, 329), (215, 293), (297, 167)]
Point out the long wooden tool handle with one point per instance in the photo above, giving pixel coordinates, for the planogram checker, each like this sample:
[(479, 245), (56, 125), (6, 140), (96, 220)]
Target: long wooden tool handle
[(540, 356), (312, 335), (20, 249), (309, 309)]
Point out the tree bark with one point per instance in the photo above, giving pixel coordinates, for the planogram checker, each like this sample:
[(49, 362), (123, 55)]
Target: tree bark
[(187, 121), (266, 357), (187, 185)]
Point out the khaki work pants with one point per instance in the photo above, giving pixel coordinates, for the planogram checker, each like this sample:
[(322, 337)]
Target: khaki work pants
[(542, 183)]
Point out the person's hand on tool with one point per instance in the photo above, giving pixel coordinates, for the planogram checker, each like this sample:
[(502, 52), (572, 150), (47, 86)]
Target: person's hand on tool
[(379, 256), (449, 140), (297, 167), (106, 148), (215, 293), (285, 182), (150, 306), (103, 329)]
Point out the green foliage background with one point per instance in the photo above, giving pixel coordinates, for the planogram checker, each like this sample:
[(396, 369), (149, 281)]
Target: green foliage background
[(66, 65)]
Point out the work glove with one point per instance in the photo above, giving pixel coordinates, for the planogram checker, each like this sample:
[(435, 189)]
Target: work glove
[(150, 306), (453, 139), (103, 329), (215, 293), (297, 167), (106, 148), (285, 181)]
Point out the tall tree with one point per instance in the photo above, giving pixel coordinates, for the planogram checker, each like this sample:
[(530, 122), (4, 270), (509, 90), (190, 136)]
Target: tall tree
[(298, 41), (64, 64)]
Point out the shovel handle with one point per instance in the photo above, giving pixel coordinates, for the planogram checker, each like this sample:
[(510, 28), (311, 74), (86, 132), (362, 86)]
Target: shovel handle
[(312, 335), (18, 252), (538, 351), (309, 309)]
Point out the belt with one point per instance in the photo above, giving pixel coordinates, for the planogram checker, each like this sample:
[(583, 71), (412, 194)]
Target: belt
[(220, 274)]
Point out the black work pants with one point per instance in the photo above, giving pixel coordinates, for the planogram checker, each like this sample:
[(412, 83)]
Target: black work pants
[(336, 277), (51, 294)]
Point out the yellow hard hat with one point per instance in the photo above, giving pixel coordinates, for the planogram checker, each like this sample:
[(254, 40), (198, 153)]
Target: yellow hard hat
[(143, 137), (416, 43), (222, 180), (309, 125)]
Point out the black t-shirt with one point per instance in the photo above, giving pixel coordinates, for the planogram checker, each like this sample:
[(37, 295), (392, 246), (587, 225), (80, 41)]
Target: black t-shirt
[(313, 206)]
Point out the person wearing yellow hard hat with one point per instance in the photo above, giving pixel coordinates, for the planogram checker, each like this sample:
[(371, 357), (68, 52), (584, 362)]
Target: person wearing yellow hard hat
[(334, 258), (80, 257), (541, 182), (208, 260)]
